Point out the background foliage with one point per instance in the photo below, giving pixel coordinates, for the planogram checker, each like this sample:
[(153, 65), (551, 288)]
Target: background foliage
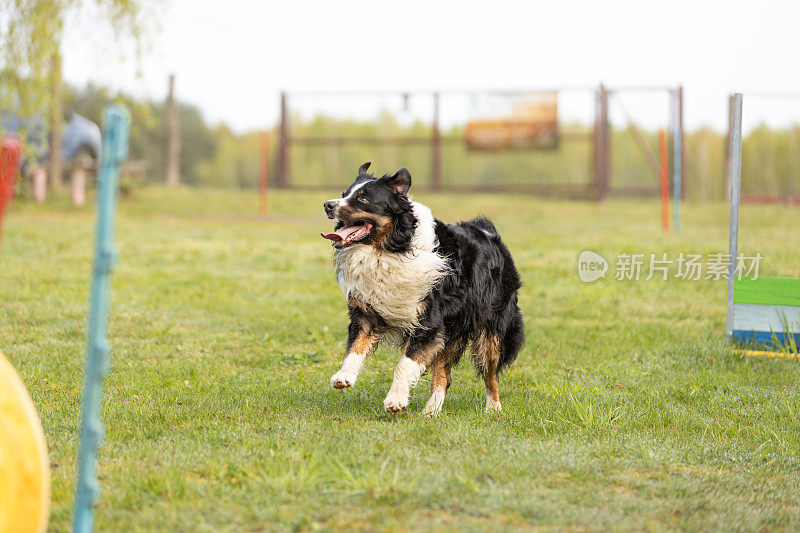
[(31, 35)]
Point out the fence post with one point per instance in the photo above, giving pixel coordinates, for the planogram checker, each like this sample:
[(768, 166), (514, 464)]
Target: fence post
[(283, 145), (173, 169), (602, 146), (436, 147)]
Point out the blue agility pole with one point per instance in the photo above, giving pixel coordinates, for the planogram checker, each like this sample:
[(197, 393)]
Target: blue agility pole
[(677, 157), (116, 127)]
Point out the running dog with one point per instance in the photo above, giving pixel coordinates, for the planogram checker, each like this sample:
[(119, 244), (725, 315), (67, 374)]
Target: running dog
[(433, 288)]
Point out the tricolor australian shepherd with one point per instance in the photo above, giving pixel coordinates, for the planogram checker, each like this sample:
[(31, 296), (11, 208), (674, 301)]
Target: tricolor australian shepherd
[(432, 287)]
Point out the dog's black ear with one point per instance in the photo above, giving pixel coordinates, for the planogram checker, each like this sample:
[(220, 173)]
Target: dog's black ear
[(400, 183), (363, 168)]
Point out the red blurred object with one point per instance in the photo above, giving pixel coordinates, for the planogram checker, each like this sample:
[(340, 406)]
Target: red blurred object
[(10, 156)]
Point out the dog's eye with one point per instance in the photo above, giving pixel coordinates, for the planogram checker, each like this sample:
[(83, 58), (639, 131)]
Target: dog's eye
[(363, 199)]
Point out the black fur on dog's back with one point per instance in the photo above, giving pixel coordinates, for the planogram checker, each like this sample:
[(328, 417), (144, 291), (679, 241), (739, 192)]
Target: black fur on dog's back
[(480, 292)]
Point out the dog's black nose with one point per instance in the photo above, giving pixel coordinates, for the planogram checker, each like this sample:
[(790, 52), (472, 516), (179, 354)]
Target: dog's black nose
[(330, 207)]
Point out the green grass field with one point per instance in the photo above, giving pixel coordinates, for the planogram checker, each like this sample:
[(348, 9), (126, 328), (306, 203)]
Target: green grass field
[(626, 410)]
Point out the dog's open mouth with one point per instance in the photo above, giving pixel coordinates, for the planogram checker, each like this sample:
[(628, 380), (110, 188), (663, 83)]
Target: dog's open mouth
[(347, 235)]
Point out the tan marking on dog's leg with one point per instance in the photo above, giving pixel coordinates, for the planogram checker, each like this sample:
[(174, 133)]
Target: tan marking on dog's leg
[(363, 346), (407, 374), (480, 346), (489, 349), (440, 378)]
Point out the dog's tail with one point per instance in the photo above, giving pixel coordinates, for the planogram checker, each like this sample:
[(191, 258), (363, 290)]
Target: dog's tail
[(484, 224)]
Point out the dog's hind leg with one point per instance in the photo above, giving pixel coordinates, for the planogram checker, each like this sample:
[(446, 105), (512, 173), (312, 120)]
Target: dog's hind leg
[(440, 375), (440, 381), (486, 351)]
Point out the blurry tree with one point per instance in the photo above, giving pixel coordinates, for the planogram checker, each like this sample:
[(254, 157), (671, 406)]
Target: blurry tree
[(705, 162), (234, 162), (770, 162), (148, 131), (31, 33), (197, 141)]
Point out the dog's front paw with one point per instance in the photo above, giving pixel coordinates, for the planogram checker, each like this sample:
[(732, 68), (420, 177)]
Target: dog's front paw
[(493, 406), (395, 402), (342, 380)]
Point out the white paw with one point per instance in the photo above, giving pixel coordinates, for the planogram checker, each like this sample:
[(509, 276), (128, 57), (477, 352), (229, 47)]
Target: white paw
[(342, 380), (395, 402), (493, 406), (435, 402)]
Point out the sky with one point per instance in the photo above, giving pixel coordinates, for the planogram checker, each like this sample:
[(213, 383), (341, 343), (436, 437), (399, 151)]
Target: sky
[(233, 58)]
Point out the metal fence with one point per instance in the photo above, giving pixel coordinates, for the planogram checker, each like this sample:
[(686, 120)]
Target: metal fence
[(323, 136)]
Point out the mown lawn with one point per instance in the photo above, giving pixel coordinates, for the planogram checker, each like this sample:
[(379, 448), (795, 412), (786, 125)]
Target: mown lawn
[(626, 409)]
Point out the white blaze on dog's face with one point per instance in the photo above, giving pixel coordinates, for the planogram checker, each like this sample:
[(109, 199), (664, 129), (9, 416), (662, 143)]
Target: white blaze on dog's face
[(366, 210)]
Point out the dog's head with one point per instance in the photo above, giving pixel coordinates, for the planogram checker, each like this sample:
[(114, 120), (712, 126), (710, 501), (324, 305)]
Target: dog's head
[(373, 211)]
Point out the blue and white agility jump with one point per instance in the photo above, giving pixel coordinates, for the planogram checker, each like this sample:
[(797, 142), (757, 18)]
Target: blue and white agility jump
[(761, 311)]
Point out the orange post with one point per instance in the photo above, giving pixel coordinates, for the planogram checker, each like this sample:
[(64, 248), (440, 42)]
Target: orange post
[(662, 156), (263, 176)]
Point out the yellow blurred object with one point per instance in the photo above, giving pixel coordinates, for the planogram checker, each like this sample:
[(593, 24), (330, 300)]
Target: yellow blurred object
[(24, 467), (771, 354)]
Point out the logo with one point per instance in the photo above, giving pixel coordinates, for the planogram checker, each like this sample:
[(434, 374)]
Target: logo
[(591, 266)]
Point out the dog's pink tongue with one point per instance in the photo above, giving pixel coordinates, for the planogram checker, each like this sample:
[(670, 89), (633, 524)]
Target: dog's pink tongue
[(340, 234)]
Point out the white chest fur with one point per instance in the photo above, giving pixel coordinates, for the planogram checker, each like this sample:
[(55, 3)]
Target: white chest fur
[(394, 284)]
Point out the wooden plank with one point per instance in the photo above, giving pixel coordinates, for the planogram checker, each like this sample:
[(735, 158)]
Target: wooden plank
[(766, 318), (767, 291)]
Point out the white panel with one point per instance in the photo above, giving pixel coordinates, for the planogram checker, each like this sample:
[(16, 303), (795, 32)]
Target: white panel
[(753, 317)]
